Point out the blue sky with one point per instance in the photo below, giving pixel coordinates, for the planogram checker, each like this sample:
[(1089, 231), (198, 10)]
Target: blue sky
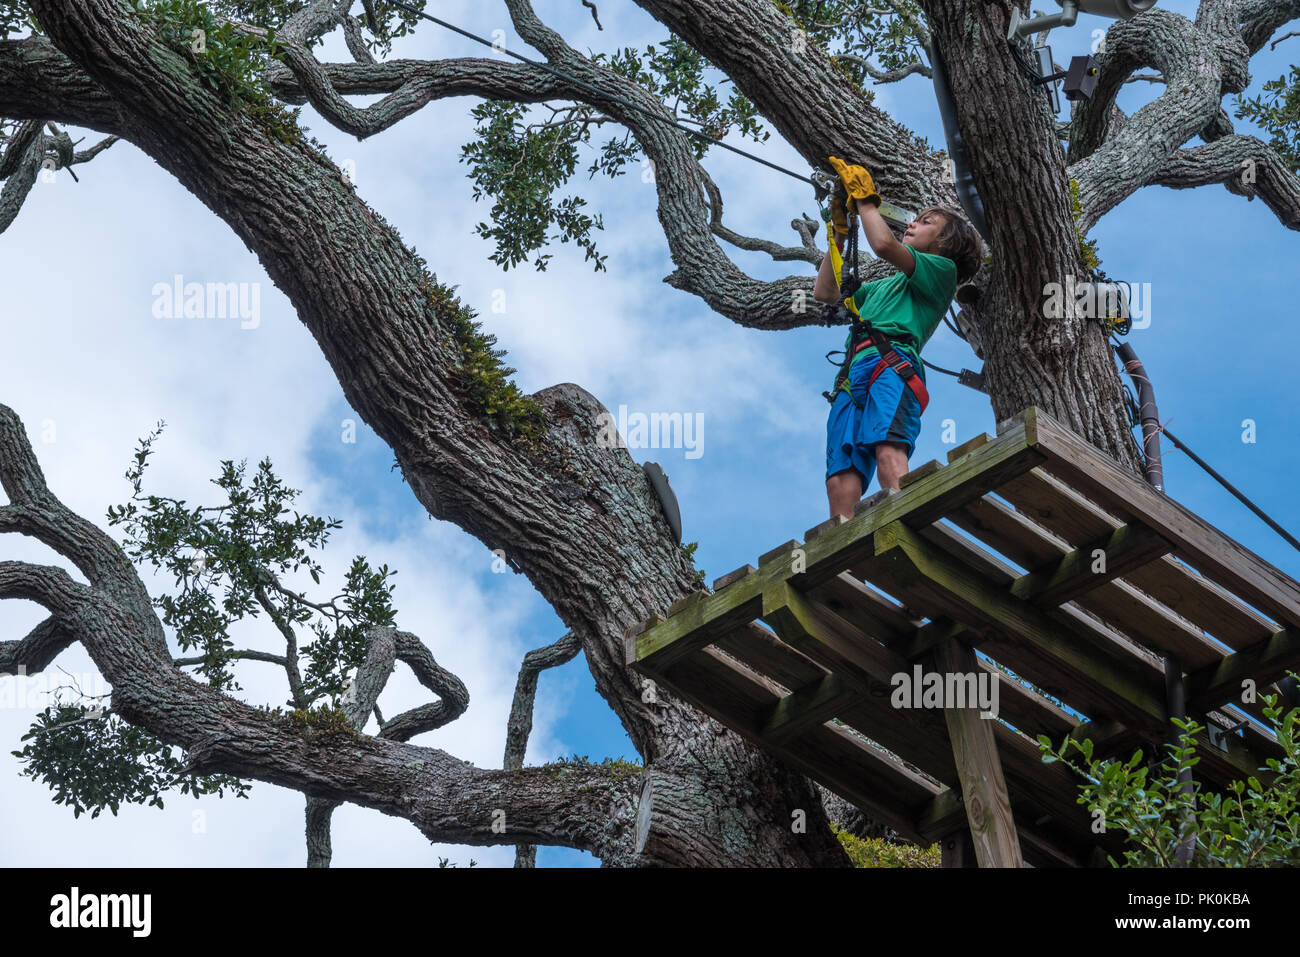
[(87, 355)]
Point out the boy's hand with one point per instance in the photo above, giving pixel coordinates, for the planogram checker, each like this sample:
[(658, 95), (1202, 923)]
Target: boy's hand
[(857, 181)]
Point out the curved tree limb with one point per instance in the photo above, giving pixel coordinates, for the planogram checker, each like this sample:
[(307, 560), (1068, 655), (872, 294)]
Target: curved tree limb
[(1246, 165), (520, 724), (33, 653)]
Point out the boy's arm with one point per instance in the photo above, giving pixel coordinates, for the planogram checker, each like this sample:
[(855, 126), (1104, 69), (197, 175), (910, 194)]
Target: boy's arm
[(825, 289), (882, 240)]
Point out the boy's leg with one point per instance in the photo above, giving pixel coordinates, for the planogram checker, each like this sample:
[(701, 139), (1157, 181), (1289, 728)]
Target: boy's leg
[(849, 465), (891, 463), (843, 491)]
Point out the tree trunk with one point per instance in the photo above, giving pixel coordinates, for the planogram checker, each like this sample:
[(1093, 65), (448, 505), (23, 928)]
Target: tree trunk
[(1062, 364)]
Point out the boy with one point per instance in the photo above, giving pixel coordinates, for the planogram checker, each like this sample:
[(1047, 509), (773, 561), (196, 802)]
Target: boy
[(876, 428)]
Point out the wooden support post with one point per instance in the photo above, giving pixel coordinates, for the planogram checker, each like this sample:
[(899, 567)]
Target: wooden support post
[(984, 789), (1176, 695), (957, 850)]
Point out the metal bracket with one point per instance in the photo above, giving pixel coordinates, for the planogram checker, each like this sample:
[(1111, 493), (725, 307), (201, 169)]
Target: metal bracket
[(1218, 735), (974, 380)]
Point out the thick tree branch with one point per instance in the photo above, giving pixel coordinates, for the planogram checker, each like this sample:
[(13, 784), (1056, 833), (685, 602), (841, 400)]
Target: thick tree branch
[(47, 585), (21, 165), (1246, 165), (1199, 61), (33, 653), (1124, 161), (38, 82), (1260, 18)]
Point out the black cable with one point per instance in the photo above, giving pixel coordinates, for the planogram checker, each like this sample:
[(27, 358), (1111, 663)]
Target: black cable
[(951, 324), (802, 177), (1133, 415), (931, 365), (1229, 486)]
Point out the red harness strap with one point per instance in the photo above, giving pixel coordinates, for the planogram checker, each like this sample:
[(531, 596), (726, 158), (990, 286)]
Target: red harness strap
[(893, 359)]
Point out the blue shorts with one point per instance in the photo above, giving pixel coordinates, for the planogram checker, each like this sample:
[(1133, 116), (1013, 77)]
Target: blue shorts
[(890, 412)]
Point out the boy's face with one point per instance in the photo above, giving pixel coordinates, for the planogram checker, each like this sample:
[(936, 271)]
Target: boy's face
[(922, 234)]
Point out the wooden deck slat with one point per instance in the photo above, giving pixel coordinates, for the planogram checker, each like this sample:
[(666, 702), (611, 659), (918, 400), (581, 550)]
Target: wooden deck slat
[(761, 650), (1076, 574)]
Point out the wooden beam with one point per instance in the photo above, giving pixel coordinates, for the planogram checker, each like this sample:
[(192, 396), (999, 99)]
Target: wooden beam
[(813, 704), (958, 849), (974, 748), (825, 637), (1126, 548), (1264, 663)]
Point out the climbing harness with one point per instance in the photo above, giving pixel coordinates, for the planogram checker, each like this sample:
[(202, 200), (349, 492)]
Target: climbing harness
[(862, 333)]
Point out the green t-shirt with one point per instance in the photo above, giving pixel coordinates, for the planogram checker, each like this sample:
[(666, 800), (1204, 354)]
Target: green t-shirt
[(908, 308)]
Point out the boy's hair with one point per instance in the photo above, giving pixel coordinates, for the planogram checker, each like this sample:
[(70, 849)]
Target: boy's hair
[(958, 241)]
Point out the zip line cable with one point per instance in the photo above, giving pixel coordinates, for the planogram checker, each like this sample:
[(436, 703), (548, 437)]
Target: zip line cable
[(604, 94)]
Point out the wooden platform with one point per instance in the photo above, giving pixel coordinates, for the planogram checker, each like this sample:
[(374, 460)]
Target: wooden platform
[(1037, 550)]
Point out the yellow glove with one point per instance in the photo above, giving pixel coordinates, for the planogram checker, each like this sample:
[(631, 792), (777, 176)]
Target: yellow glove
[(857, 181), (840, 210)]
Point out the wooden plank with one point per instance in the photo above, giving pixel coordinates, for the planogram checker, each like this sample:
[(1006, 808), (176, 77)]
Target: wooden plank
[(918, 473), (1229, 563), (968, 446), (1026, 709), (1202, 601), (863, 607), (984, 789), (815, 703), (755, 646), (779, 553), (826, 637), (970, 554), (1151, 623), (1009, 532), (725, 580)]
